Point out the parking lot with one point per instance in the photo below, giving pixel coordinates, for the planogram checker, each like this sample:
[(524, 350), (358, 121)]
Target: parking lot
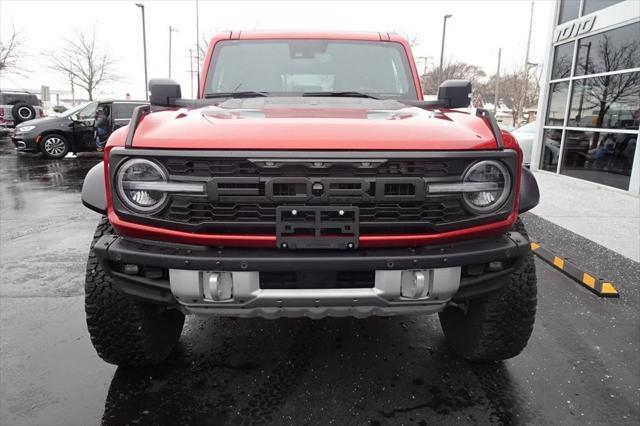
[(581, 365)]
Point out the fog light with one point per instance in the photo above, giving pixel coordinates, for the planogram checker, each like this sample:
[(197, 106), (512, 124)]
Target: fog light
[(415, 284), (218, 287), (496, 265), (131, 269)]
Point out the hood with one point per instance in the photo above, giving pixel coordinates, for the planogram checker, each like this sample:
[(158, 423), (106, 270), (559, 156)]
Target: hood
[(313, 124), (38, 121)]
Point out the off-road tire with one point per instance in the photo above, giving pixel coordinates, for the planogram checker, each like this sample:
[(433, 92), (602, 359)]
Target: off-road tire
[(18, 112), (126, 332), (498, 325)]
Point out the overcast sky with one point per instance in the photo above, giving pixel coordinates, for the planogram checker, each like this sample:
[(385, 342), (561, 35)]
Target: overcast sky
[(474, 33)]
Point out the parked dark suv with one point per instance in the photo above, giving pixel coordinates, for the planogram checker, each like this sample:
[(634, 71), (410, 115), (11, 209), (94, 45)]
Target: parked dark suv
[(73, 130)]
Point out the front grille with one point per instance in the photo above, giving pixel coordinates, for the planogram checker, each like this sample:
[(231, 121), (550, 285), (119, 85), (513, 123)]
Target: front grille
[(206, 214), (243, 193), (205, 167)]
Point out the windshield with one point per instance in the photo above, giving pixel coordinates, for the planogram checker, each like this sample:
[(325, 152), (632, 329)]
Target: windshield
[(70, 112), (294, 67)]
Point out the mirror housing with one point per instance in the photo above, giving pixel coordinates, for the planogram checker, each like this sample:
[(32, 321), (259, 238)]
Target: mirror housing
[(455, 93), (74, 117), (164, 91)]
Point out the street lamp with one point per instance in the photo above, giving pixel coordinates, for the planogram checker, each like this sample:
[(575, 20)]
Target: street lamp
[(144, 45), (423, 77), (584, 86), (444, 31), (171, 30)]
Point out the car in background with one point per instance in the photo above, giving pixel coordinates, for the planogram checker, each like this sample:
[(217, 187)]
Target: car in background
[(17, 107), (525, 135), (73, 130)]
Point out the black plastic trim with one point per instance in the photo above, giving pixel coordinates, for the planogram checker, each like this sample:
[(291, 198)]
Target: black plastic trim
[(112, 249), (529, 191), (493, 125), (472, 287), (138, 112), (94, 195), (178, 256)]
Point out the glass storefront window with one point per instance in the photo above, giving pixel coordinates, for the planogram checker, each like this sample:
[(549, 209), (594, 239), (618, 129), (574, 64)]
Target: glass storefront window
[(557, 103), (568, 10), (591, 6), (608, 101), (562, 57), (613, 50), (604, 158), (551, 139)]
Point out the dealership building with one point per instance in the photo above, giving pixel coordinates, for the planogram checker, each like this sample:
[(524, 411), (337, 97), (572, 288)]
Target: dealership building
[(589, 108)]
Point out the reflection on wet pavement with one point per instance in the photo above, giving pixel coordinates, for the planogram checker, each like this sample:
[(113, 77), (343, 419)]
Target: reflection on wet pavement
[(45, 229), (301, 371)]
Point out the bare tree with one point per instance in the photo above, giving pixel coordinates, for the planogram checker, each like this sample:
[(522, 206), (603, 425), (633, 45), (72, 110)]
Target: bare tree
[(412, 38), (84, 62), (511, 93), (11, 53), (600, 94), (204, 46), (452, 70)]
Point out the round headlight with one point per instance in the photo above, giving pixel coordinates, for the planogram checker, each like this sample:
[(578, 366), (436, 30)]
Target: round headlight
[(130, 183), (498, 180)]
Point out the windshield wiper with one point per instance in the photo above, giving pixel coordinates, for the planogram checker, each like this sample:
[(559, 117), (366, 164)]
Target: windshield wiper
[(246, 94), (339, 94)]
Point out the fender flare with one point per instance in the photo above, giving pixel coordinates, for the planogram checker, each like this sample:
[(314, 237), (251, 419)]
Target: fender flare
[(529, 192), (94, 195)]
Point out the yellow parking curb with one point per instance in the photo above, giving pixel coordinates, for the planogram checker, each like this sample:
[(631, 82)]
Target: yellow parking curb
[(588, 280)]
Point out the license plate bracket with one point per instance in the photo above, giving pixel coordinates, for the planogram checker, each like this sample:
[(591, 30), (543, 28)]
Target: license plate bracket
[(317, 227)]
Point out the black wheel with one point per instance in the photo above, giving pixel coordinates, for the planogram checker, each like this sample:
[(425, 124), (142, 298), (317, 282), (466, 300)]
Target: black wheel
[(54, 146), (123, 331), (496, 326), (23, 112)]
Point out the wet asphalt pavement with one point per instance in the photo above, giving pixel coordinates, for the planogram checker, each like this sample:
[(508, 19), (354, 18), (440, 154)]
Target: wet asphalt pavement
[(582, 365)]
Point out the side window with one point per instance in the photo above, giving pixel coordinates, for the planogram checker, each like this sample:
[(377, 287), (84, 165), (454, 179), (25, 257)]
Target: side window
[(19, 98), (123, 111), (88, 112)]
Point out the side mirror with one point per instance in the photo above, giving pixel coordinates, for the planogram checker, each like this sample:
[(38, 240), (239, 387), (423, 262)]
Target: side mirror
[(455, 93), (74, 117), (164, 91)]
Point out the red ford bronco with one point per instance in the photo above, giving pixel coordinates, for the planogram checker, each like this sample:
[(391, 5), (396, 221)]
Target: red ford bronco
[(309, 178)]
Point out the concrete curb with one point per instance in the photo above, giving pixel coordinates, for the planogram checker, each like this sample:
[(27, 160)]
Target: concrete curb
[(598, 286)]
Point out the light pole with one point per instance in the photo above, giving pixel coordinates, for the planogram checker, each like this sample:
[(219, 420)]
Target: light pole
[(191, 71), (586, 72), (144, 45), (198, 45), (444, 32), (525, 76), (423, 77), (171, 30), (496, 95)]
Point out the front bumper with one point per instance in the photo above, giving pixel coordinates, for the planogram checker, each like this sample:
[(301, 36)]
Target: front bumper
[(172, 274), (24, 142)]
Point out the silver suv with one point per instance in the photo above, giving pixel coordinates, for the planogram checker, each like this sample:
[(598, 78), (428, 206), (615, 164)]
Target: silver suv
[(17, 107)]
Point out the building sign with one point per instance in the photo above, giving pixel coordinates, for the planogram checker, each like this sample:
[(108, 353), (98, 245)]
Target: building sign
[(45, 94), (574, 29)]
